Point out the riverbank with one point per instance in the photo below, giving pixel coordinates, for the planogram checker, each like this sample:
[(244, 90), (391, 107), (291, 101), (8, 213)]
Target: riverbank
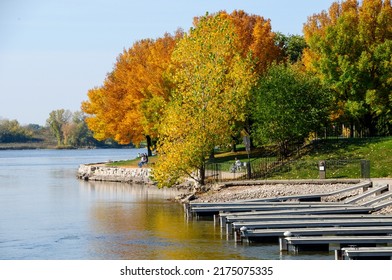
[(101, 172), (229, 191), (107, 173)]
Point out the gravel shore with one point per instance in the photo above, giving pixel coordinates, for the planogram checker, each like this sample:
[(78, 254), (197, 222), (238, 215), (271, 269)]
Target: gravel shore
[(222, 193)]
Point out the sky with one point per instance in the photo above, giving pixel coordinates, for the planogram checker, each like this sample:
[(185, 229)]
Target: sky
[(53, 51)]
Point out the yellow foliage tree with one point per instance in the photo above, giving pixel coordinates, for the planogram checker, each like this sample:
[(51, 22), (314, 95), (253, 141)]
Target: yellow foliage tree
[(212, 85), (254, 38)]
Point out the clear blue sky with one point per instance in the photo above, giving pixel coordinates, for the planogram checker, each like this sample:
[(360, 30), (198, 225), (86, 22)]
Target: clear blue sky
[(53, 51)]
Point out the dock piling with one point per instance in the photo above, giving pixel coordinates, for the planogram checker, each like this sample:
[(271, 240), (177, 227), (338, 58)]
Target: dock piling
[(283, 246)]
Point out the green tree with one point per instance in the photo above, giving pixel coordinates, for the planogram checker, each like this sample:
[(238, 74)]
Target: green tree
[(56, 121), (75, 131), (291, 47), (350, 48), (213, 83), (11, 131), (288, 105), (82, 136)]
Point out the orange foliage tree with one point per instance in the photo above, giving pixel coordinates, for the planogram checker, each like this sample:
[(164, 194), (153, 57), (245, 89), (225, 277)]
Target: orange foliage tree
[(127, 106), (254, 37)]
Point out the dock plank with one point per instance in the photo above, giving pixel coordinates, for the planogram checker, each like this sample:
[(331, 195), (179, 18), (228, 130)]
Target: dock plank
[(312, 223), (300, 212), (261, 218), (312, 242), (364, 253), (378, 198), (371, 191), (261, 234), (267, 207)]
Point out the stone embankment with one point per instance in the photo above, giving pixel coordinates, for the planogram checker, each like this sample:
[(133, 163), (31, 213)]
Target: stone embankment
[(101, 172)]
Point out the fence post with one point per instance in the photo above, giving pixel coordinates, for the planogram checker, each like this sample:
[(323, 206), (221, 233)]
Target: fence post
[(365, 168), (248, 171), (322, 169)]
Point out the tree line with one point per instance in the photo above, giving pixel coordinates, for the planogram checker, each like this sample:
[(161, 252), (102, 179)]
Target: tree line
[(63, 129), (230, 75), (12, 132)]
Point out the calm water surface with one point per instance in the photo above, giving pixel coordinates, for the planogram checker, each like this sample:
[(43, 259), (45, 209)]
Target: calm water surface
[(47, 213)]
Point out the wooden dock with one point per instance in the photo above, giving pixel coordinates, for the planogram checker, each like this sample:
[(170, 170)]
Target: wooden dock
[(374, 191), (321, 243), (249, 221), (300, 212), (311, 223), (306, 223), (251, 218), (273, 203), (213, 210), (378, 198), (199, 205), (364, 253), (261, 235)]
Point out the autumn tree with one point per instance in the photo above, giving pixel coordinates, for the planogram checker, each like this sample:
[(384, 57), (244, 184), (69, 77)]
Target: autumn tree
[(212, 84), (254, 38), (350, 48), (256, 41), (128, 106)]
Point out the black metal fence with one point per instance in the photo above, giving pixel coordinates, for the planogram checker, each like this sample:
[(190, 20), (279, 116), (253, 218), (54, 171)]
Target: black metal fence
[(267, 168)]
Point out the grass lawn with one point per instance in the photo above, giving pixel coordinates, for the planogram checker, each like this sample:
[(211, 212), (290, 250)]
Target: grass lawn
[(132, 163), (343, 155)]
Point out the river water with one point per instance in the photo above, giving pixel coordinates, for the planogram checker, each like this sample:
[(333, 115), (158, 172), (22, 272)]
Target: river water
[(46, 213)]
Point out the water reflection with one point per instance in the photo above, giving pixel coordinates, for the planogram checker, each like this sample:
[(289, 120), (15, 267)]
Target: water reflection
[(47, 213), (140, 222)]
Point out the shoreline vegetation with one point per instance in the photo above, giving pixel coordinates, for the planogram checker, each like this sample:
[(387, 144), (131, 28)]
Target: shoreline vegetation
[(377, 150), (240, 190), (231, 78), (357, 148)]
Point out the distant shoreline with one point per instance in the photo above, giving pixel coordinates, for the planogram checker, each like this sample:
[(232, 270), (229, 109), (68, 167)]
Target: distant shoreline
[(45, 146), (25, 146)]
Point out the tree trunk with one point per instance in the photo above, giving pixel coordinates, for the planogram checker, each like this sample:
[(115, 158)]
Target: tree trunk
[(233, 145), (202, 175), (212, 155), (352, 127), (149, 144)]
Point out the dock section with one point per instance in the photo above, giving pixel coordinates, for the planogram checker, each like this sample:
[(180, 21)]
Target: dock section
[(273, 234), (321, 243), (309, 222), (364, 253)]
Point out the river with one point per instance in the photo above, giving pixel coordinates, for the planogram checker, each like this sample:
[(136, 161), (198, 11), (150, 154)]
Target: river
[(46, 213)]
